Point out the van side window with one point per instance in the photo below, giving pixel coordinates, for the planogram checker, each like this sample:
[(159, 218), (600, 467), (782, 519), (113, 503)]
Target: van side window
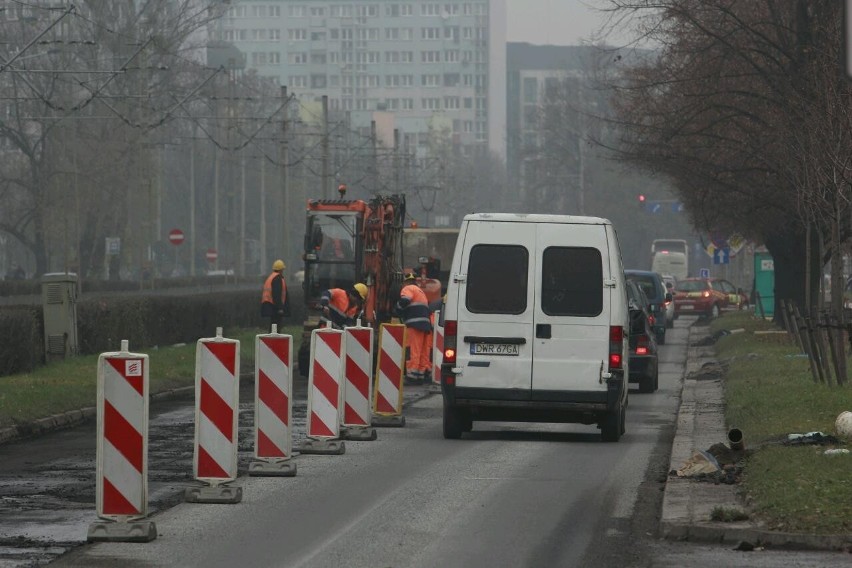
[(572, 282), (497, 279)]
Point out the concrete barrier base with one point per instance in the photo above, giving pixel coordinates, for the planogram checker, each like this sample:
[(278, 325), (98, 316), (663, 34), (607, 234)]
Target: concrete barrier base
[(272, 468), (121, 531), (382, 421), (358, 433), (323, 447), (221, 494)]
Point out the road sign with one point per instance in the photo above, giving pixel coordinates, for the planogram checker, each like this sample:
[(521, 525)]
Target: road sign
[(176, 236), (654, 207), (722, 256), (677, 207), (704, 272), (212, 255), (113, 246)]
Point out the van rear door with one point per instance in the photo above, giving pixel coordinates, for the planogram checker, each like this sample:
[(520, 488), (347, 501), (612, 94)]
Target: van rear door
[(572, 308), (495, 307)]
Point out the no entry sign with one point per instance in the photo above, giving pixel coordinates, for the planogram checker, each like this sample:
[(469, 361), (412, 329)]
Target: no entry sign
[(176, 236), (212, 255)]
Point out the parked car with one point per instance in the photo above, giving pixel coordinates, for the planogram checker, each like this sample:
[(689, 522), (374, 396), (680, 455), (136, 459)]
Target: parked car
[(671, 285), (652, 284), (702, 296), (737, 298), (644, 361)]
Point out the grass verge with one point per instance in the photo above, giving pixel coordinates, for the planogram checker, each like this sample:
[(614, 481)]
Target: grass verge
[(72, 384), (769, 393)]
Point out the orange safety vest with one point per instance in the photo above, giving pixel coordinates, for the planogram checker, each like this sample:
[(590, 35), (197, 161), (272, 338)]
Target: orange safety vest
[(266, 296), (338, 303), (416, 313)]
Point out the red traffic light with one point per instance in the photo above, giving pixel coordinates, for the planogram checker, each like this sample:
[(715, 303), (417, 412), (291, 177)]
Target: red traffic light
[(641, 198)]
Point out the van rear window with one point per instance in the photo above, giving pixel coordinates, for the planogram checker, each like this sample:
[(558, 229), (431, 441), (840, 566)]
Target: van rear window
[(572, 282), (497, 279)]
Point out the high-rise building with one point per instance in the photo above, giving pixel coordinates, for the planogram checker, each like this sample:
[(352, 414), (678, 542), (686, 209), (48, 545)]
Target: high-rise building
[(421, 62)]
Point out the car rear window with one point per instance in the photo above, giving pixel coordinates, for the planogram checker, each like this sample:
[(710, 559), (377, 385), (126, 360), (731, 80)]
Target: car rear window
[(497, 279), (691, 286), (648, 284), (572, 282)]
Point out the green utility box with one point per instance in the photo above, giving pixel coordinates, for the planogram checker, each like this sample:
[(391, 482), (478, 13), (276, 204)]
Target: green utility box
[(764, 284)]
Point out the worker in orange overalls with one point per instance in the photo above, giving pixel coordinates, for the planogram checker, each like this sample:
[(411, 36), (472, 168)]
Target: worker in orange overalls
[(341, 307), (413, 309), (274, 301)]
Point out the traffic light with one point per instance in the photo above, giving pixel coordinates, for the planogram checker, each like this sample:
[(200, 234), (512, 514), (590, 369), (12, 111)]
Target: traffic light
[(641, 201)]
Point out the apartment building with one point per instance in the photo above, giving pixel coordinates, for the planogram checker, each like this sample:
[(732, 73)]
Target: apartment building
[(418, 60)]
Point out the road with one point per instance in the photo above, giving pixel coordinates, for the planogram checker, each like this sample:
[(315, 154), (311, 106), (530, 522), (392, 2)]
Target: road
[(504, 495)]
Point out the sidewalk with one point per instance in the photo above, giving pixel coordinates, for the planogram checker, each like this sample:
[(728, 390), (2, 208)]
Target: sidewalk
[(689, 503)]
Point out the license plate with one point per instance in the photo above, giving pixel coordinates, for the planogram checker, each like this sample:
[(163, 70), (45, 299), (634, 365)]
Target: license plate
[(494, 349), (687, 307)]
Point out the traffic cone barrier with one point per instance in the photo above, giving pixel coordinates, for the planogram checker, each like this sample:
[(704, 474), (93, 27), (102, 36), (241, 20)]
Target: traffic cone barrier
[(390, 369)]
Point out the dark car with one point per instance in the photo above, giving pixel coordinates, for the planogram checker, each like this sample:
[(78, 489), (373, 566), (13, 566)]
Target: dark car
[(654, 288), (644, 364)]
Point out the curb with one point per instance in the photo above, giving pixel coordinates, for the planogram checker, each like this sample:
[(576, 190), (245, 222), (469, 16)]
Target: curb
[(687, 503)]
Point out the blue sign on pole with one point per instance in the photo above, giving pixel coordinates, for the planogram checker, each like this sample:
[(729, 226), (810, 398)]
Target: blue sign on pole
[(654, 207), (677, 207), (704, 272), (722, 256)]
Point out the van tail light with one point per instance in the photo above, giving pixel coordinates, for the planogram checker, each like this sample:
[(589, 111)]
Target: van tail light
[(642, 345), (450, 341), (616, 344)]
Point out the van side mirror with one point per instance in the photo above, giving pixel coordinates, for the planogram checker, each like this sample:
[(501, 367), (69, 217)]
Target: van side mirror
[(669, 296)]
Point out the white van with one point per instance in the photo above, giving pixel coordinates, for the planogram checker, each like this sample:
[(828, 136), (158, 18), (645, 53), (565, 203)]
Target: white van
[(670, 262), (536, 323)]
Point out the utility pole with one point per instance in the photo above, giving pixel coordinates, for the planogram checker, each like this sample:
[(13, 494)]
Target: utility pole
[(325, 149), (374, 164), (396, 160), (192, 201), (242, 213), (263, 237), (287, 215)]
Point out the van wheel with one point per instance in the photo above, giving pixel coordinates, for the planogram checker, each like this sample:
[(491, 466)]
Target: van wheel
[(453, 423), (613, 425)]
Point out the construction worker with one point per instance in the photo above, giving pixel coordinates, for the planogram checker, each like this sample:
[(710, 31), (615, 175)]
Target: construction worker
[(413, 309), (342, 307), (274, 302)]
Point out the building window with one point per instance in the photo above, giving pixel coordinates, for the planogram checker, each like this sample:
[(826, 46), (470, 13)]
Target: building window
[(406, 34), (430, 57), (318, 81), (430, 9), (406, 80), (392, 81), (406, 10), (392, 33), (451, 9), (318, 12), (430, 80), (298, 81), (392, 57), (407, 104), (275, 11), (297, 35), (297, 58), (392, 104), (258, 11), (452, 79), (452, 56), (406, 57), (452, 103), (296, 11), (430, 33), (274, 58), (318, 59), (530, 90), (275, 35), (430, 103), (317, 36)]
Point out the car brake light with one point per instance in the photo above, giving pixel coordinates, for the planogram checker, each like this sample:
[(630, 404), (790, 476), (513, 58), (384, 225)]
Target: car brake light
[(641, 350), (642, 345), (450, 339), (616, 345), (706, 294), (652, 320)]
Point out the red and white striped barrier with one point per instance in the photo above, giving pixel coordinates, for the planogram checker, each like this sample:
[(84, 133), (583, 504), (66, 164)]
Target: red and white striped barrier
[(357, 376), (122, 448), (217, 373), (273, 403), (324, 394), (390, 370), (437, 349)]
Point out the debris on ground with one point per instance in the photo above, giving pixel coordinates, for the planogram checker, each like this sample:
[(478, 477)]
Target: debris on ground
[(718, 464), (836, 452), (811, 438), (710, 371), (709, 340), (700, 463)]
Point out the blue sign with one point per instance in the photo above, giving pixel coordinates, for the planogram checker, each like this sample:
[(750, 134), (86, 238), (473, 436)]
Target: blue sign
[(704, 273), (677, 207), (654, 207), (721, 256)]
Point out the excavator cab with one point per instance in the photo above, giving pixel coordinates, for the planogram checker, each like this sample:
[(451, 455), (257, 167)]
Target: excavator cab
[(332, 257)]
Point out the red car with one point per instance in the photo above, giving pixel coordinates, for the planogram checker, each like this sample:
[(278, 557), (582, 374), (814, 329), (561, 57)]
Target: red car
[(707, 296)]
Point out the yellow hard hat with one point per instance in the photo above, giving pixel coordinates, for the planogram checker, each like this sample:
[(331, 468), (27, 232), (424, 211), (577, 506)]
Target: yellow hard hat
[(278, 265), (361, 289), (409, 276)]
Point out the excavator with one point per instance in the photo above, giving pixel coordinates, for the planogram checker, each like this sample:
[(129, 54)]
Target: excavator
[(349, 241)]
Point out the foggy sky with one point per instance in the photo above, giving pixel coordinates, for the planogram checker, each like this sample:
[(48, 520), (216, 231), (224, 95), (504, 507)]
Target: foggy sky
[(557, 22)]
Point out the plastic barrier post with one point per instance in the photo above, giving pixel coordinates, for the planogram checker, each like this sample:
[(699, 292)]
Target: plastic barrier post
[(273, 405), (217, 391), (437, 354), (390, 369), (357, 384), (324, 394), (122, 450)]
